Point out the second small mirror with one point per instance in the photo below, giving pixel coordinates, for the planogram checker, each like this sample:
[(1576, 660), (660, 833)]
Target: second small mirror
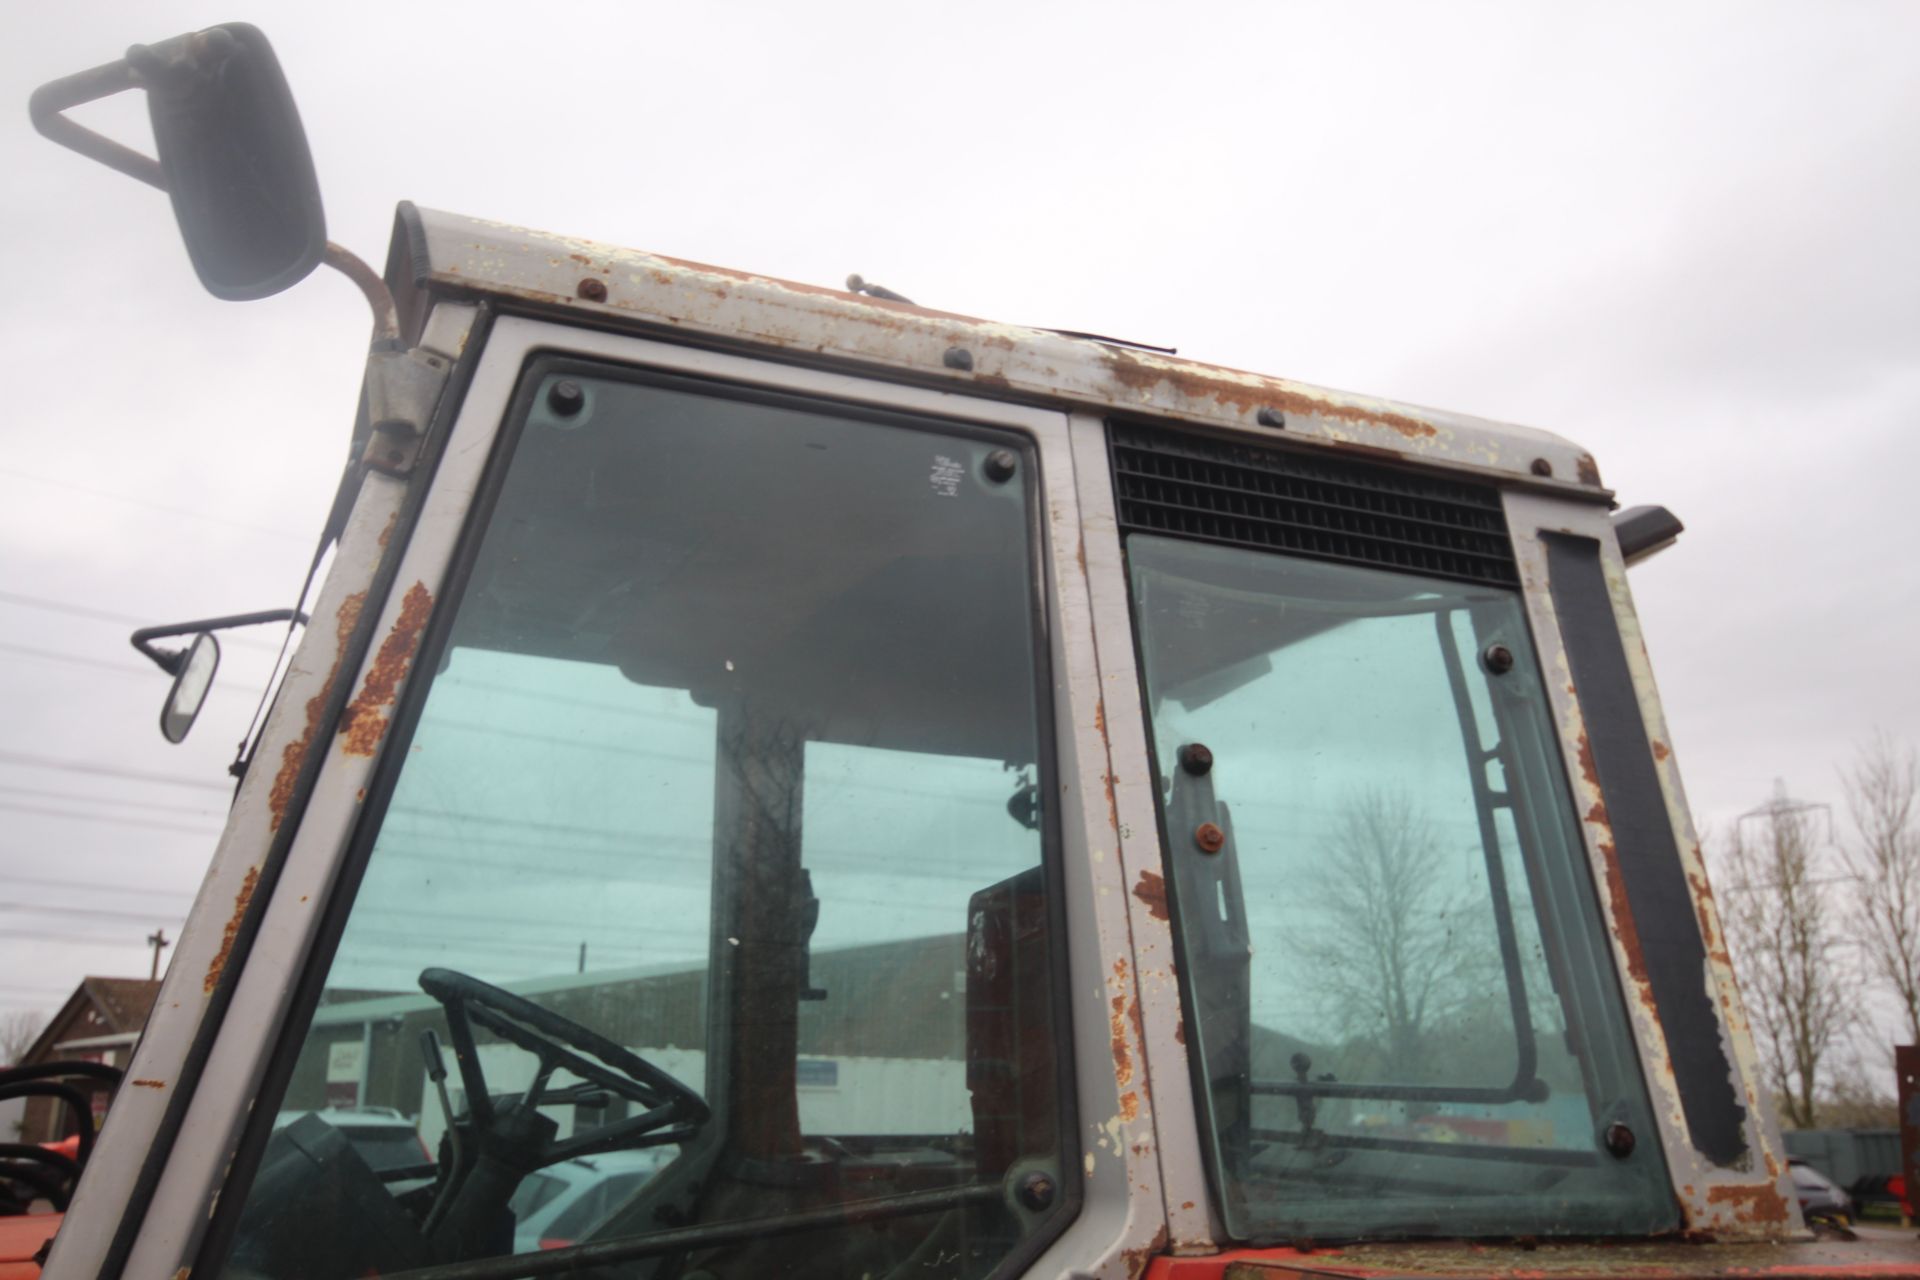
[(189, 692)]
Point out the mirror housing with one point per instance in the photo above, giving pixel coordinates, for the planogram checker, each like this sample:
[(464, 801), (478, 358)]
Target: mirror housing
[(1644, 532), (189, 693), (232, 153)]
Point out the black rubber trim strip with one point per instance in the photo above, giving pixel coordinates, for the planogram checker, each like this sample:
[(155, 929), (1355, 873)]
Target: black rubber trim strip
[(352, 657), (1664, 927)]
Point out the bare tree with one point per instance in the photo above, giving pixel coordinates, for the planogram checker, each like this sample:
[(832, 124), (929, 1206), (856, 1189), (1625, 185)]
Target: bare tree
[(18, 1031), (1396, 950), (1883, 799), (1784, 932)]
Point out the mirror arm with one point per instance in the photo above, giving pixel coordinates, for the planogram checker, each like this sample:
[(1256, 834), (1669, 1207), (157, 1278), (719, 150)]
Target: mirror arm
[(386, 316), (170, 660), (52, 99)]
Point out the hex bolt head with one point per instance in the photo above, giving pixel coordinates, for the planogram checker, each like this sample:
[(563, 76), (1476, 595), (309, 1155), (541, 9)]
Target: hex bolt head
[(566, 398), (1000, 465), (1619, 1140), (1209, 838), (1271, 418), (1196, 759), (1035, 1191), (958, 358), (593, 290), (1499, 659), (1541, 467)]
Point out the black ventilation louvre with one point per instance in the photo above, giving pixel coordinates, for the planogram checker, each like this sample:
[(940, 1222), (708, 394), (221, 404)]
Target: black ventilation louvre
[(1245, 496)]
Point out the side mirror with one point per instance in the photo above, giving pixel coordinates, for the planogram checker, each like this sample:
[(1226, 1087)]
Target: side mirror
[(232, 153), (1644, 532), (192, 668), (189, 692)]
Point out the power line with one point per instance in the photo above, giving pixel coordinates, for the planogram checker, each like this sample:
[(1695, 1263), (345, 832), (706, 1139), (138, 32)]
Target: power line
[(114, 819), (104, 615), (104, 913), (74, 939), (118, 668), (153, 506), (108, 771), (128, 804), (86, 886), (61, 606)]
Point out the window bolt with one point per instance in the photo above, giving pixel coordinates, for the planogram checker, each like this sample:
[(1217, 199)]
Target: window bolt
[(1196, 759)]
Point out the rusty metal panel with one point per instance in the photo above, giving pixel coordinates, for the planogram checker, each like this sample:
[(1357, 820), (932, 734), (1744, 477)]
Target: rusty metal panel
[(1750, 1199), (605, 284), (228, 890), (1191, 1224), (1587, 1260)]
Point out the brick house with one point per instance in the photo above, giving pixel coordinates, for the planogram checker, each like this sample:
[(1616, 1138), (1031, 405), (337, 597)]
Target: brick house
[(100, 1022)]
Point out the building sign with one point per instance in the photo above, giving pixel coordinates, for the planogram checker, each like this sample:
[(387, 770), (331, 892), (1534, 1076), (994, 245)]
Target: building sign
[(346, 1060), (817, 1073)]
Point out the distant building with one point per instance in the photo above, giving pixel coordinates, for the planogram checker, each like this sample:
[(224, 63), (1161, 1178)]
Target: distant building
[(100, 1022)]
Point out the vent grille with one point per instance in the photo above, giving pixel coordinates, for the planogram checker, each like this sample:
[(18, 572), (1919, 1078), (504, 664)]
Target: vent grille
[(1328, 509)]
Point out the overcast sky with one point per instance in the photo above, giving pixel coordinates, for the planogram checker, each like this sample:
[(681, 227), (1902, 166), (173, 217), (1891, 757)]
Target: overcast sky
[(1683, 236)]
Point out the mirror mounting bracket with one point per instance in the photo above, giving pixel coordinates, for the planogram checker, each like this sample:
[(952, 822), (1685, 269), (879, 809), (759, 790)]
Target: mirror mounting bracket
[(172, 660)]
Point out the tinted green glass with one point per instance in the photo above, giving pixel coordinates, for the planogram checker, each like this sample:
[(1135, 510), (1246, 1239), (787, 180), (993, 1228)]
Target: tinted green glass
[(713, 840), (1407, 1018)]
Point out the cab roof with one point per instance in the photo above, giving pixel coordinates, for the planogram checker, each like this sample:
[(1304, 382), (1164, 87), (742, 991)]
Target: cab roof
[(435, 254)]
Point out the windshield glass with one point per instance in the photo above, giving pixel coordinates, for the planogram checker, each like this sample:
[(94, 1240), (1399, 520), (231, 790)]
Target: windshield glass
[(1407, 1020), (712, 882)]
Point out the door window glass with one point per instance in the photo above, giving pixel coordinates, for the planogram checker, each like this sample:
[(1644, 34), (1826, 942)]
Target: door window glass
[(714, 847), (1407, 1017)]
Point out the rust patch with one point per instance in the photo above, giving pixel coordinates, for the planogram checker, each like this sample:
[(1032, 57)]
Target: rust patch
[(1587, 770), (866, 300), (1623, 924), (1100, 714), (1122, 1058), (1138, 1260), (1597, 815), (1587, 470), (1199, 382), (241, 900), (148, 1084), (1703, 907), (1180, 1033), (1660, 750), (1130, 1107), (365, 722), (1152, 890), (386, 534), (1117, 1026), (296, 751), (1752, 1204), (1113, 805)]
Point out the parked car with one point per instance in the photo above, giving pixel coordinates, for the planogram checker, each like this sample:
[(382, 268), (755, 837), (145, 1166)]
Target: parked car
[(562, 1204), (1820, 1199)]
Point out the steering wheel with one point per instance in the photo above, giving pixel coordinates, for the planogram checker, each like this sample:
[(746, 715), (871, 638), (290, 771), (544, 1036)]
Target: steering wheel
[(673, 1112)]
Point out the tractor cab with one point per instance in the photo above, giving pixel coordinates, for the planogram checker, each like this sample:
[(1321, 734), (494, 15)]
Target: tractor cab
[(779, 781)]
